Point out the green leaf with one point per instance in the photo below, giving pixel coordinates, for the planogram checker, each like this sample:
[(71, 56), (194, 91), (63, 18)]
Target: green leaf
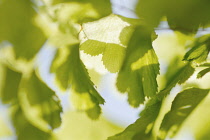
[(9, 84), (183, 74), (182, 106), (81, 11), (71, 71), (141, 129), (39, 103), (113, 54), (200, 50), (140, 68), (26, 130), (203, 72), (18, 27)]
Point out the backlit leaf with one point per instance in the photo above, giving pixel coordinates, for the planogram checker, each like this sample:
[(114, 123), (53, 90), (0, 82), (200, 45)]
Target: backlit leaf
[(104, 37)]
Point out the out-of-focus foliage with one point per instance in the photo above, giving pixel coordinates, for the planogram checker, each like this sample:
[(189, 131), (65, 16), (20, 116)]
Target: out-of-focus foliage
[(77, 125), (18, 27), (149, 67)]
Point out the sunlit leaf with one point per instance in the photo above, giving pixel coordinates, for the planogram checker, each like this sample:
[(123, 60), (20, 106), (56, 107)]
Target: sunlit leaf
[(182, 106), (19, 28), (140, 68), (71, 71), (9, 84), (39, 103)]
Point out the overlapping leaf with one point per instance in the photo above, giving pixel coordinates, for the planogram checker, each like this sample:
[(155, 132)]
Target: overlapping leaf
[(39, 103), (71, 71), (140, 68), (182, 106), (139, 129), (200, 50), (18, 27)]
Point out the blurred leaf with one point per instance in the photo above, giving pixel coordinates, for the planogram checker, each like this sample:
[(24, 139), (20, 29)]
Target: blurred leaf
[(151, 11), (203, 72), (200, 50), (77, 126), (6, 131), (61, 39), (182, 106), (39, 103), (113, 54), (9, 84), (26, 130), (140, 68), (71, 71), (182, 20), (19, 28), (81, 11), (141, 129)]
